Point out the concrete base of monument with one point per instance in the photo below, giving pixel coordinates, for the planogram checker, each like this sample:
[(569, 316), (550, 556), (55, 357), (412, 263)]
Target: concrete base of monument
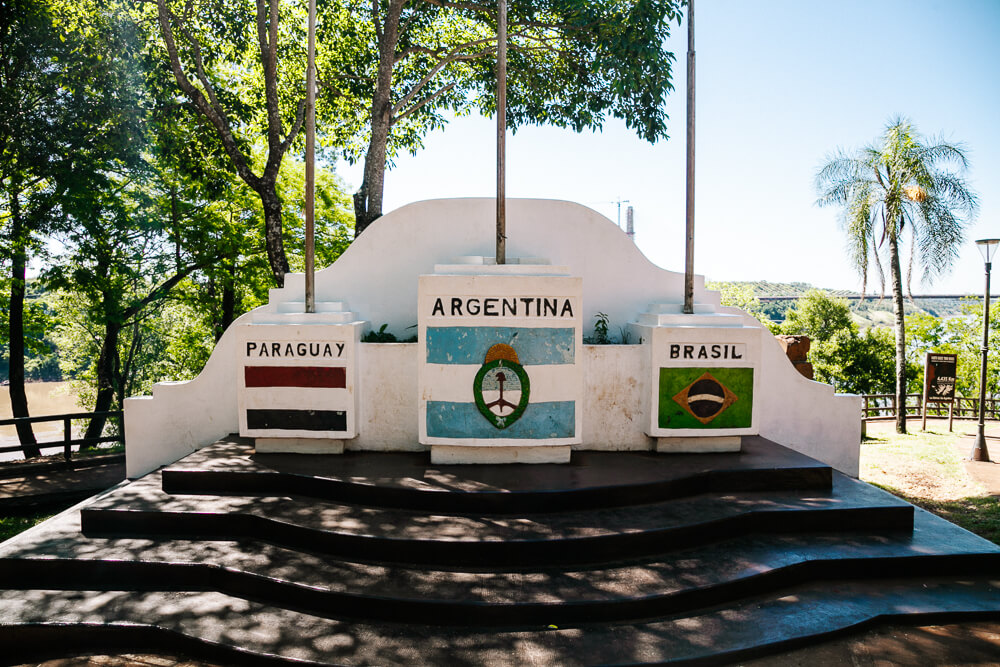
[(298, 446), (706, 445), (458, 454)]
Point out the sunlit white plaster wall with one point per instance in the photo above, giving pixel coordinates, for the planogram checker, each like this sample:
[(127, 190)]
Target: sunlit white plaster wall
[(804, 415), (388, 398), (615, 382), (180, 417), (377, 278)]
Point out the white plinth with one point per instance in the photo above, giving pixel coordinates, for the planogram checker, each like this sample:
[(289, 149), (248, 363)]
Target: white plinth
[(701, 445), (298, 446), (455, 454)]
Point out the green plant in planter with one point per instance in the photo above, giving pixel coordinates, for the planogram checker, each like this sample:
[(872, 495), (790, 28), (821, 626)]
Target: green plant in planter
[(380, 336), (383, 336)]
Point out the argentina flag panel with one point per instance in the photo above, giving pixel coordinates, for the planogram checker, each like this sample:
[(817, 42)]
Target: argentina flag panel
[(500, 357), (297, 380)]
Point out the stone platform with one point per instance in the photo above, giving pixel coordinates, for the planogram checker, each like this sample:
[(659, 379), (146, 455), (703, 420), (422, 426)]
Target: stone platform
[(363, 559)]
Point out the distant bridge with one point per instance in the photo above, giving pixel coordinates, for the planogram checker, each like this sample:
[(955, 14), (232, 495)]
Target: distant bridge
[(875, 297)]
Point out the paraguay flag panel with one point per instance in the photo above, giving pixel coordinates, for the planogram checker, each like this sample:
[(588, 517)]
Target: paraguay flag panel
[(297, 381)]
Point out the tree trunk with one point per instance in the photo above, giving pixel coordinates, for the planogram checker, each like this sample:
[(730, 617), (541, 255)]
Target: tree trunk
[(272, 232), (368, 198), (18, 397), (897, 311), (107, 370)]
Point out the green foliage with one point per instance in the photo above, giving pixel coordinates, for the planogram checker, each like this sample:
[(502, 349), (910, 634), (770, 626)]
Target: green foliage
[(902, 184), (900, 188), (602, 333), (818, 316), (961, 335), (380, 336), (383, 336), (407, 66), (40, 320), (852, 361), (601, 329), (12, 525), (742, 296), (856, 363)]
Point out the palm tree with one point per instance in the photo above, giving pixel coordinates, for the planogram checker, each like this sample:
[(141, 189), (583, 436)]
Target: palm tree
[(900, 184)]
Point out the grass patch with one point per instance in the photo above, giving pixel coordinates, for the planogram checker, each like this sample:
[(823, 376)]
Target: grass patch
[(979, 515), (928, 470), (100, 450), (12, 525)]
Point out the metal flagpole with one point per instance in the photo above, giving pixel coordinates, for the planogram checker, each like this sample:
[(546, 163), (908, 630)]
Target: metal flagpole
[(311, 163), (501, 131), (689, 219)]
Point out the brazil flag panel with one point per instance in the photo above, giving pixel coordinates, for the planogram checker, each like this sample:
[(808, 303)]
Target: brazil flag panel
[(705, 398)]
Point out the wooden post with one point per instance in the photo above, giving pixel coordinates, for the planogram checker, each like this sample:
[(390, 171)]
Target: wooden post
[(67, 439), (310, 199), (501, 131), (923, 425), (951, 415)]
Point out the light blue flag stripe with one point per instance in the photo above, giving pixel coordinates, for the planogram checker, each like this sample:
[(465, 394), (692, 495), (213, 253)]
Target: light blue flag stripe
[(553, 419), (468, 345)]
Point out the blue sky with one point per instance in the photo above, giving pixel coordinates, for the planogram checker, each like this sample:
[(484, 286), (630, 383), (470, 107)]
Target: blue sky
[(780, 84)]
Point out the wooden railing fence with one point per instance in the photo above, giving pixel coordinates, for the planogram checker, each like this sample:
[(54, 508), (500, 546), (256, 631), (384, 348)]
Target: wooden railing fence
[(67, 442), (883, 406)]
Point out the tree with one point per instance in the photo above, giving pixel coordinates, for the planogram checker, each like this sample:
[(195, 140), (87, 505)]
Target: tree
[(900, 188), (856, 362), (63, 120), (961, 335), (818, 315), (244, 73), (742, 296), (571, 63), (853, 362)]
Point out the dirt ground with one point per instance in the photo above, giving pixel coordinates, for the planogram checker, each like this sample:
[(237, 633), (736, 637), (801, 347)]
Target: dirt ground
[(914, 479)]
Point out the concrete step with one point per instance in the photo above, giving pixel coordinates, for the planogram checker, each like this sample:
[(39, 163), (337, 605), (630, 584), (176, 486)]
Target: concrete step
[(208, 625), (692, 559), (696, 319), (404, 480), (456, 539), (685, 581), (300, 307)]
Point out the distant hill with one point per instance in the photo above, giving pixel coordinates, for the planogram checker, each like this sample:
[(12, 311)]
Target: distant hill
[(873, 310)]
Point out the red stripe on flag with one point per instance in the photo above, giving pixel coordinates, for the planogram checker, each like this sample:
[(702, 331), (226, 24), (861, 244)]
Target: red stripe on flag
[(334, 377)]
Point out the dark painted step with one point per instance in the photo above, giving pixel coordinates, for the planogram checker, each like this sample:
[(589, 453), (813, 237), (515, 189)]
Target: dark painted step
[(686, 577), (211, 625), (693, 579), (591, 480), (597, 536)]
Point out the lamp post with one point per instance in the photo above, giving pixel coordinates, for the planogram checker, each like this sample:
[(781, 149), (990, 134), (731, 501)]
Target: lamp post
[(988, 248)]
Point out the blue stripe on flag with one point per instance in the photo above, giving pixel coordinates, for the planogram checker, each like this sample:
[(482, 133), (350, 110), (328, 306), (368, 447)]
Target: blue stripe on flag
[(468, 345), (553, 419)]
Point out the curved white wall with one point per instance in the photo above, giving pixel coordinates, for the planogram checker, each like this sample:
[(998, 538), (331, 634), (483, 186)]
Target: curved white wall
[(377, 278)]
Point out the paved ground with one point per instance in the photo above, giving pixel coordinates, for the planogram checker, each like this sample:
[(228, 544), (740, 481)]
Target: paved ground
[(974, 643), (967, 644), (24, 485), (986, 473)]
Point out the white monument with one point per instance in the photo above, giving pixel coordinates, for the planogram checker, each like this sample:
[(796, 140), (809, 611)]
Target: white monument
[(499, 372)]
